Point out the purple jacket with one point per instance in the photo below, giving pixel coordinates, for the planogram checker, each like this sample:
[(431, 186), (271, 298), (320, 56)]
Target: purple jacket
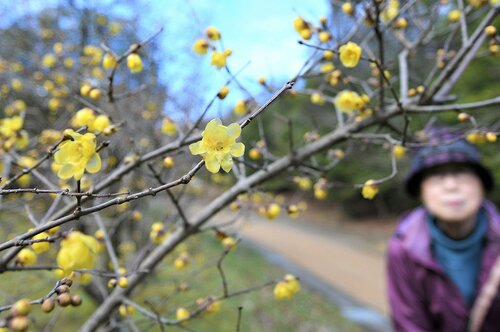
[(421, 296)]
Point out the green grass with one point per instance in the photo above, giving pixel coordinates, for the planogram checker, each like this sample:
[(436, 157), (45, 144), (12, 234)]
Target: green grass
[(244, 268)]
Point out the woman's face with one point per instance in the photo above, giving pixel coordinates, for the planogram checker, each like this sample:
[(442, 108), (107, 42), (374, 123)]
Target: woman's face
[(452, 193)]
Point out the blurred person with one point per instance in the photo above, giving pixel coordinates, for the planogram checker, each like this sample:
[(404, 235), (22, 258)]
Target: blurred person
[(442, 254)]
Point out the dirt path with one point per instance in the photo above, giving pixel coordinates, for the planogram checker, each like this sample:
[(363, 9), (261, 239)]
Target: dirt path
[(349, 267)]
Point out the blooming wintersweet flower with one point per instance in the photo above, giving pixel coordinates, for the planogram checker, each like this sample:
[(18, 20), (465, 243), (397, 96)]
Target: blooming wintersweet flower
[(370, 189), (348, 101), (218, 145), (78, 251), (350, 54), (134, 63), (218, 59), (77, 155)]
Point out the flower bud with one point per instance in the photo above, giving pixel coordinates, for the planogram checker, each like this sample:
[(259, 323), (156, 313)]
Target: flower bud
[(48, 305)]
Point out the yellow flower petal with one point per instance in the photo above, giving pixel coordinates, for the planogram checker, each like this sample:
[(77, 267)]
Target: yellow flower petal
[(233, 130), (66, 171), (94, 164), (226, 163), (212, 165), (237, 150), (197, 148)]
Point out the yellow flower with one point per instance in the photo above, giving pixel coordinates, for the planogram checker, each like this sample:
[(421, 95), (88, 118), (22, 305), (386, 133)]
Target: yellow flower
[(273, 211), (390, 11), (229, 243), (212, 33), (491, 137), (26, 257), (317, 99), (200, 46), (77, 155), (299, 24), (494, 2), (454, 15), (324, 36), (85, 89), (370, 189), (400, 23), (134, 63), (348, 8), (84, 117), (286, 288), (114, 28), (320, 189), (108, 61), (16, 84), (218, 145), (40, 247), (327, 67), (78, 251), (476, 137), (240, 108), (49, 61), (182, 314), (348, 101), (168, 127), (399, 151), (10, 126), (350, 54), (158, 233), (218, 59), (100, 123), (304, 183), (306, 34)]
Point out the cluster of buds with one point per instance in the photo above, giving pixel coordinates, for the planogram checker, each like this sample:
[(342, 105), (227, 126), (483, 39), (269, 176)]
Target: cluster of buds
[(63, 298), (87, 90), (18, 320), (478, 137), (306, 30), (209, 305), (412, 92), (442, 57)]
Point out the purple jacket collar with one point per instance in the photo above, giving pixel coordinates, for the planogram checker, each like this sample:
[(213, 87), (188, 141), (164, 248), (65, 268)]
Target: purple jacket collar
[(414, 233)]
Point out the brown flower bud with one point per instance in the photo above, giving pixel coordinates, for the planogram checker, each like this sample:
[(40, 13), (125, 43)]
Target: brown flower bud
[(48, 305), (19, 323), (64, 299), (62, 289), (76, 300)]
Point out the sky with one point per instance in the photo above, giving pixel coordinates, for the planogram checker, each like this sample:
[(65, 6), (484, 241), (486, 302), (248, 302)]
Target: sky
[(260, 34)]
